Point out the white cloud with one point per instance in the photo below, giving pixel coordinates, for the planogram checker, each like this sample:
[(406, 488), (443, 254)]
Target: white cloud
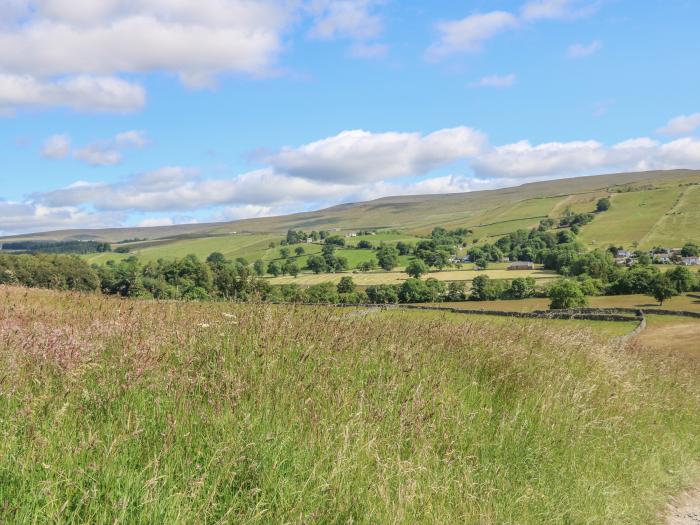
[(100, 153), (559, 9), (155, 221), (681, 125), (178, 188), (496, 81), (469, 34), (97, 155), (56, 147), (566, 159), (70, 53), (64, 37), (351, 166), (354, 157), (344, 19), (81, 93), (583, 50), (131, 139), (24, 217)]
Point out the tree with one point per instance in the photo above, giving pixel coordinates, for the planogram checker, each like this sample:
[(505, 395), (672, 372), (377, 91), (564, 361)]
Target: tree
[(403, 248), (603, 204), (336, 240), (366, 266), (480, 288), (299, 251), (216, 259), (565, 294), (456, 291), (274, 269), (388, 257), (346, 285), (317, 264), (681, 278), (284, 252), (364, 245), (690, 249), (416, 268), (291, 268), (259, 267), (663, 289), (382, 294), (482, 263)]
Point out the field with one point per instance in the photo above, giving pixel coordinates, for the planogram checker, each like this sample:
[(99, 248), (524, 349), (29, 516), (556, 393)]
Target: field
[(688, 302), (116, 411), (397, 277), (649, 208), (677, 336)]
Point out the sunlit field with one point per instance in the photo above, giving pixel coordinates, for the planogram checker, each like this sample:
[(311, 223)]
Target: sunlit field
[(119, 411)]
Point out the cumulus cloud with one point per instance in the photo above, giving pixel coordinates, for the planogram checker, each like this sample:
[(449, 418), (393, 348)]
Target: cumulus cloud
[(70, 53), (583, 50), (80, 93), (496, 81), (681, 125), (358, 156), (24, 217), (350, 166), (344, 19), (56, 147), (100, 153), (181, 189), (565, 159), (469, 34)]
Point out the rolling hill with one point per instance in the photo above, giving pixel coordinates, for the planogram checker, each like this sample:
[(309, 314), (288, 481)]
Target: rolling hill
[(648, 209)]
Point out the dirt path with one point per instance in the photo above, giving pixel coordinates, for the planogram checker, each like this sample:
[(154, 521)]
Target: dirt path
[(685, 510)]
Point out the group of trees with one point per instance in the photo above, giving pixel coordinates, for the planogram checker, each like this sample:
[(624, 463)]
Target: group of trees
[(77, 247)]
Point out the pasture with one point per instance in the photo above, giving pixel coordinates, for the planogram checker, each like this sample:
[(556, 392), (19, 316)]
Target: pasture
[(164, 412)]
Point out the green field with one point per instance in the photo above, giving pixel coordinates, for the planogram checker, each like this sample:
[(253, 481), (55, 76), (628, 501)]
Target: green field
[(397, 277), (167, 412), (648, 207), (687, 302)]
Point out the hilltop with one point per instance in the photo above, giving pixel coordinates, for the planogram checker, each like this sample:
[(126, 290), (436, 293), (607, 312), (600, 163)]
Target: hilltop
[(648, 209)]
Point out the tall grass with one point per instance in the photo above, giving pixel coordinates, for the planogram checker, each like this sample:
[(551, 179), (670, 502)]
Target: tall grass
[(138, 412)]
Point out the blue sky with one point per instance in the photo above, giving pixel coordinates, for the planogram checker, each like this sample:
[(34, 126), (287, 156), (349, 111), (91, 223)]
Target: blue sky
[(179, 111)]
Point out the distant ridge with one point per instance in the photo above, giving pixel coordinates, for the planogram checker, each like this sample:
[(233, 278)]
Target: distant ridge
[(416, 213)]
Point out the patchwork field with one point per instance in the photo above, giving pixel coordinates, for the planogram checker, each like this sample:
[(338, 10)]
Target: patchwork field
[(687, 302), (165, 412), (396, 277), (649, 208)]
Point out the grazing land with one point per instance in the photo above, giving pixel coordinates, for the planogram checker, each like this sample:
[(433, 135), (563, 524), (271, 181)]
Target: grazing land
[(649, 208), (687, 302), (381, 277), (116, 411)]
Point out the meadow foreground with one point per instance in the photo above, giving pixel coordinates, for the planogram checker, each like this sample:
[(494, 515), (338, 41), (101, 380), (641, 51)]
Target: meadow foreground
[(119, 411)]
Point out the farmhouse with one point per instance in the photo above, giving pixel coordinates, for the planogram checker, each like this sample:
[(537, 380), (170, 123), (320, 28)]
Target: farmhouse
[(522, 265), (690, 261)]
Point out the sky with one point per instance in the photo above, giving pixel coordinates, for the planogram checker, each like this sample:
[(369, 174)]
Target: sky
[(156, 112)]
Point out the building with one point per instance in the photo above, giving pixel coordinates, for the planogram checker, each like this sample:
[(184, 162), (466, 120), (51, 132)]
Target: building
[(522, 265), (623, 253), (690, 261)]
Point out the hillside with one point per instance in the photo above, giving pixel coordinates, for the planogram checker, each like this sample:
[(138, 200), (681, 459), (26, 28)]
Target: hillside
[(649, 208), (166, 412)]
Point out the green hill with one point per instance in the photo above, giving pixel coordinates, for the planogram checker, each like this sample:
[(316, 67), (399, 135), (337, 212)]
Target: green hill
[(648, 209)]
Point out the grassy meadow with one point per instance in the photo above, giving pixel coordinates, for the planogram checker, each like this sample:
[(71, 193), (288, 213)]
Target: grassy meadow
[(116, 411)]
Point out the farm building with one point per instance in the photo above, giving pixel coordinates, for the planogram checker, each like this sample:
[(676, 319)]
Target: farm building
[(522, 265), (690, 261)]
